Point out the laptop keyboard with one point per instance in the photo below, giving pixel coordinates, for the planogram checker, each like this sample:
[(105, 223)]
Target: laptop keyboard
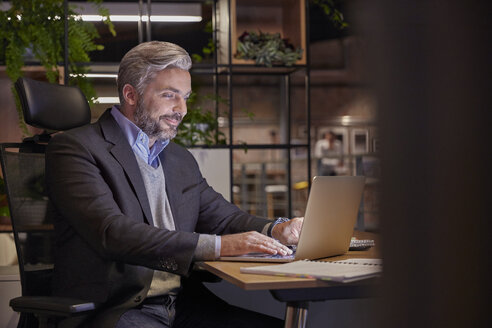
[(355, 245), (270, 256), (276, 256)]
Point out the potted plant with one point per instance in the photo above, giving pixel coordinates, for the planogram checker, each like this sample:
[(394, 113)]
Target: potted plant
[(200, 125), (200, 133), (33, 31), (267, 49)]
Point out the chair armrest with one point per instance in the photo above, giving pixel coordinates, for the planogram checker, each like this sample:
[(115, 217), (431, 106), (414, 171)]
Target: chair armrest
[(51, 305)]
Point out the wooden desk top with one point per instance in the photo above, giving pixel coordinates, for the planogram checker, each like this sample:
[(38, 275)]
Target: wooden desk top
[(229, 271)]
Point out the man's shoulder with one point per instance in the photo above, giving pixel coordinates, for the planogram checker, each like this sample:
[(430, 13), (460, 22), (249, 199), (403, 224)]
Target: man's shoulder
[(174, 147), (79, 133), (177, 150), (179, 157), (87, 136), (90, 130)]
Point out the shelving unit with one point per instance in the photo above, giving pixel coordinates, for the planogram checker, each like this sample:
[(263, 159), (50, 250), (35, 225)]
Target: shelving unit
[(262, 187)]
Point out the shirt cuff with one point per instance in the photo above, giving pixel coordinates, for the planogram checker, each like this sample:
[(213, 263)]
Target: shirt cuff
[(207, 248), (218, 244), (273, 224), (266, 228)]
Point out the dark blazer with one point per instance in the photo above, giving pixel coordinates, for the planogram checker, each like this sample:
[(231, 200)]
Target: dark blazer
[(107, 246)]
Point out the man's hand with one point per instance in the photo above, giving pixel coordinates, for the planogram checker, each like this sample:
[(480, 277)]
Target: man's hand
[(288, 232), (251, 242)]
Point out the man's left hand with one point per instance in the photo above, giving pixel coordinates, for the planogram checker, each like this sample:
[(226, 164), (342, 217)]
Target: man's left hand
[(288, 232)]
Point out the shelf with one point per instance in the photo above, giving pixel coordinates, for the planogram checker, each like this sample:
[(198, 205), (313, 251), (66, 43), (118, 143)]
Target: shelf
[(35, 72), (245, 69), (287, 17)]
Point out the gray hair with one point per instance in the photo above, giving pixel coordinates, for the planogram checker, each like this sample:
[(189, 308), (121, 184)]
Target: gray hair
[(140, 65)]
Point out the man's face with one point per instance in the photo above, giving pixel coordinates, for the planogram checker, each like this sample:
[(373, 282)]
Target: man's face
[(163, 104)]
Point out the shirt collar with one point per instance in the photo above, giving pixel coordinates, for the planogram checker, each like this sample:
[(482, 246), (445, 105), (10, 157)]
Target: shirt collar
[(138, 140)]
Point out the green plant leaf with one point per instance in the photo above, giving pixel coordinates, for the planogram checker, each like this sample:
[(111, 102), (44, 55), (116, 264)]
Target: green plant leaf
[(4, 211), (329, 7), (267, 49), (40, 32)]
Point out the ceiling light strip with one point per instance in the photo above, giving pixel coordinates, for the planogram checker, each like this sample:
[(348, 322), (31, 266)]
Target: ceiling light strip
[(136, 18), (97, 75), (107, 100)]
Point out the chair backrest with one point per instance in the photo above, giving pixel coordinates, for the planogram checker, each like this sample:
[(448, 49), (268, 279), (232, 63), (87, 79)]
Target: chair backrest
[(23, 172), (50, 107)]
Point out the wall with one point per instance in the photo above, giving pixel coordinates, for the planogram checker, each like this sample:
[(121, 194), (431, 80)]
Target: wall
[(9, 125)]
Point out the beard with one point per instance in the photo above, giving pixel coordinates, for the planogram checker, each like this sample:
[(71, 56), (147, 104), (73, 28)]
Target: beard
[(152, 127)]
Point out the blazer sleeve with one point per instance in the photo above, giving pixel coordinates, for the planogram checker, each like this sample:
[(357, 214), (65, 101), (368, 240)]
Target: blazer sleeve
[(92, 196)]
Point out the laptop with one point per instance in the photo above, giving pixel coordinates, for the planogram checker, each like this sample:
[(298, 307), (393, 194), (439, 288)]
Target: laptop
[(329, 221)]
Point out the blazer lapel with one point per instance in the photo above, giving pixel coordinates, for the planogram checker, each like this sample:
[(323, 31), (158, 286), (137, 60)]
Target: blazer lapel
[(123, 153), (173, 183)]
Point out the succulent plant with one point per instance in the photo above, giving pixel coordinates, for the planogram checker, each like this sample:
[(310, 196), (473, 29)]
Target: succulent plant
[(267, 49)]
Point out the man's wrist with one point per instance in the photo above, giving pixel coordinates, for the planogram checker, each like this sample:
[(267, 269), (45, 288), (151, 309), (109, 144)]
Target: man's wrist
[(273, 224)]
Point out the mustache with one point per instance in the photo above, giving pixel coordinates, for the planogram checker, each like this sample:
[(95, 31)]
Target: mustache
[(174, 116)]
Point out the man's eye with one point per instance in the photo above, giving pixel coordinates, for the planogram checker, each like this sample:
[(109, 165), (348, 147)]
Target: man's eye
[(168, 95)]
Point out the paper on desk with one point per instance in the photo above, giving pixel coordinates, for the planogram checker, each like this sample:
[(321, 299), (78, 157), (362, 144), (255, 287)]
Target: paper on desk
[(341, 271)]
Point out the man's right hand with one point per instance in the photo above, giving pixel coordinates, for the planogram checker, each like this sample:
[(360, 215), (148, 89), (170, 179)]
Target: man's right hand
[(251, 242)]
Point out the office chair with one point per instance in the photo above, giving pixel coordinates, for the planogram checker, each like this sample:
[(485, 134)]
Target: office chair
[(53, 108)]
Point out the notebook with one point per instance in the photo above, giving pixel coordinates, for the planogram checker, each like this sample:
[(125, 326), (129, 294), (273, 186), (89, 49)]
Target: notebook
[(329, 221), (340, 271)]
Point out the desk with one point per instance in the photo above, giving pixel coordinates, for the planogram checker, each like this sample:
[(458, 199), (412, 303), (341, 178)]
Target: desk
[(298, 292)]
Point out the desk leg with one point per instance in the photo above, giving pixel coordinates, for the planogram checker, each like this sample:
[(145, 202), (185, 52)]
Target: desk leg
[(296, 314)]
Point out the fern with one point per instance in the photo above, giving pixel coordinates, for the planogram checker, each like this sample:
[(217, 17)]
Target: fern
[(41, 32)]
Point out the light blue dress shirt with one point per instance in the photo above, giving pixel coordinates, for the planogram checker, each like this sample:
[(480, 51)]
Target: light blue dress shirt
[(138, 140)]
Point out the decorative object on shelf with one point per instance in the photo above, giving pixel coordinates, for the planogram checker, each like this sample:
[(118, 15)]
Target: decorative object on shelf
[(34, 30), (267, 49)]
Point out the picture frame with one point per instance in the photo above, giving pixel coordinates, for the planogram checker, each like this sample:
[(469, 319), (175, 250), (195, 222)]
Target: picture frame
[(359, 141), (375, 145)]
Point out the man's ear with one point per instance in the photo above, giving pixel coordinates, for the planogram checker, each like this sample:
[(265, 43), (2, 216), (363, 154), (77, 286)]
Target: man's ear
[(130, 95)]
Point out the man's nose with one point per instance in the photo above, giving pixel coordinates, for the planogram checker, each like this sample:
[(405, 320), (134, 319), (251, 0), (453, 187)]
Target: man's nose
[(181, 106)]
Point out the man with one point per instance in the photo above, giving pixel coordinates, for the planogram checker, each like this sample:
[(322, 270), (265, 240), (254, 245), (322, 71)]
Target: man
[(133, 212), (329, 153)]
